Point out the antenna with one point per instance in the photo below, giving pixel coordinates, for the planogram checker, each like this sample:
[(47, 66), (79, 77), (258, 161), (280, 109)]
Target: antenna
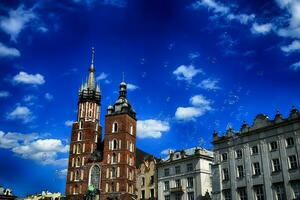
[(93, 55)]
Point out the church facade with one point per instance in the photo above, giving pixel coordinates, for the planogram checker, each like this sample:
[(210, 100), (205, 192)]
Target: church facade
[(102, 168)]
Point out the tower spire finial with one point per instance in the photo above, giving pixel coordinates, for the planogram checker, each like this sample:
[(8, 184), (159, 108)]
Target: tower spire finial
[(93, 55)]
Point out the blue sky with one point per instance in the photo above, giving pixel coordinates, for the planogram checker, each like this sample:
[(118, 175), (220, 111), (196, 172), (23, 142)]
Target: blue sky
[(192, 67)]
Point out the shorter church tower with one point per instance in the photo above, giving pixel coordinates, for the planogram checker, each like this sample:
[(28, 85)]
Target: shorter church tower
[(85, 141), (118, 166)]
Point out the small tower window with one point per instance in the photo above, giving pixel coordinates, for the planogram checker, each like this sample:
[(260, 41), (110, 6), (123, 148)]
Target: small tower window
[(79, 149), (80, 124), (115, 127), (78, 162), (115, 144), (114, 158), (79, 137), (77, 175), (131, 129)]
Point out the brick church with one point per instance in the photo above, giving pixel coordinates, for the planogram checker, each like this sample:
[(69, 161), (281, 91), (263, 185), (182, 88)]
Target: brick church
[(102, 168)]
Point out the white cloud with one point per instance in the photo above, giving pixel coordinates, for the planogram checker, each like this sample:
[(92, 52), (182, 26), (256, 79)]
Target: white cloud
[(62, 173), (4, 94), (32, 147), (295, 66), (261, 28), (21, 113), (188, 113), (200, 106), (16, 21), (24, 78), (151, 128), (200, 101), (8, 51), (69, 123), (216, 7), (29, 98), (132, 87), (194, 55), (209, 84), (186, 73), (242, 18), (102, 76), (221, 10), (48, 96), (294, 46), (166, 151)]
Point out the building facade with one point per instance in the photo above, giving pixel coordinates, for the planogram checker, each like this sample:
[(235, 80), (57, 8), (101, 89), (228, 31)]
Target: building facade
[(185, 175), (260, 162), (102, 168), (146, 183)]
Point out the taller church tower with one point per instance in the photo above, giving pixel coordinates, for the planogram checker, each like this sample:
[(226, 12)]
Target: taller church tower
[(85, 145)]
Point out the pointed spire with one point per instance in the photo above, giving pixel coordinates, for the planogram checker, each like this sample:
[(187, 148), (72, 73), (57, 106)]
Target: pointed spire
[(91, 80)]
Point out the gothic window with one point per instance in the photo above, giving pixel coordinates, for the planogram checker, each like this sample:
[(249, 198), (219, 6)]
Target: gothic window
[(79, 137), (113, 172), (113, 189), (79, 148), (115, 127), (114, 158), (131, 129), (77, 161), (95, 176), (80, 124), (115, 144), (77, 175)]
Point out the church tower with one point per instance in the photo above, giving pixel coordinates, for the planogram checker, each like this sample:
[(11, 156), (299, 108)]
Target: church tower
[(85, 144), (118, 166)]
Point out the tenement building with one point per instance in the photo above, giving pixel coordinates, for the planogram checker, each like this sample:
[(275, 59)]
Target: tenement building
[(185, 175), (146, 183), (102, 168), (260, 162)]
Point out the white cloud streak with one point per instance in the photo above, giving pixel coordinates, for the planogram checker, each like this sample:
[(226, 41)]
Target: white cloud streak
[(25, 78), (8, 52), (152, 128), (184, 72), (22, 113)]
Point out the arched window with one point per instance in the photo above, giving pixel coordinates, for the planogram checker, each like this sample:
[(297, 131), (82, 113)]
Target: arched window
[(79, 149), (80, 124), (95, 176), (113, 189), (131, 129), (115, 144), (77, 161), (114, 158), (77, 175), (79, 137), (113, 172), (115, 127)]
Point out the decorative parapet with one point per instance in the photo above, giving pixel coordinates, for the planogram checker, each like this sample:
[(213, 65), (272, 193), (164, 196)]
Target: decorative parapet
[(260, 121)]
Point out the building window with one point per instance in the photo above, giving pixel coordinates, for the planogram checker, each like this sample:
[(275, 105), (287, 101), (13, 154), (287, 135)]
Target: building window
[(114, 144), (290, 142), (79, 137), (296, 190), (240, 171), (259, 192), (79, 150), (143, 181), (167, 171), (256, 169), (293, 162), (167, 185), (225, 174), (77, 175), (114, 158), (276, 165), (191, 196), (190, 182), (151, 180), (177, 183), (77, 161), (273, 146), (95, 177), (189, 167), (279, 192), (177, 196), (254, 150), (115, 127), (242, 193), (80, 124), (224, 157), (239, 154), (177, 169), (167, 197), (113, 172), (227, 194), (152, 193), (131, 130), (143, 194)]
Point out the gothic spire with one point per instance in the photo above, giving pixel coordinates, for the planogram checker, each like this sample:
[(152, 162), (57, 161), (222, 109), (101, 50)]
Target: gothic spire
[(91, 80)]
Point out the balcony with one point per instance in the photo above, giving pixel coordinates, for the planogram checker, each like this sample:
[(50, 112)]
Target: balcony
[(178, 189)]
